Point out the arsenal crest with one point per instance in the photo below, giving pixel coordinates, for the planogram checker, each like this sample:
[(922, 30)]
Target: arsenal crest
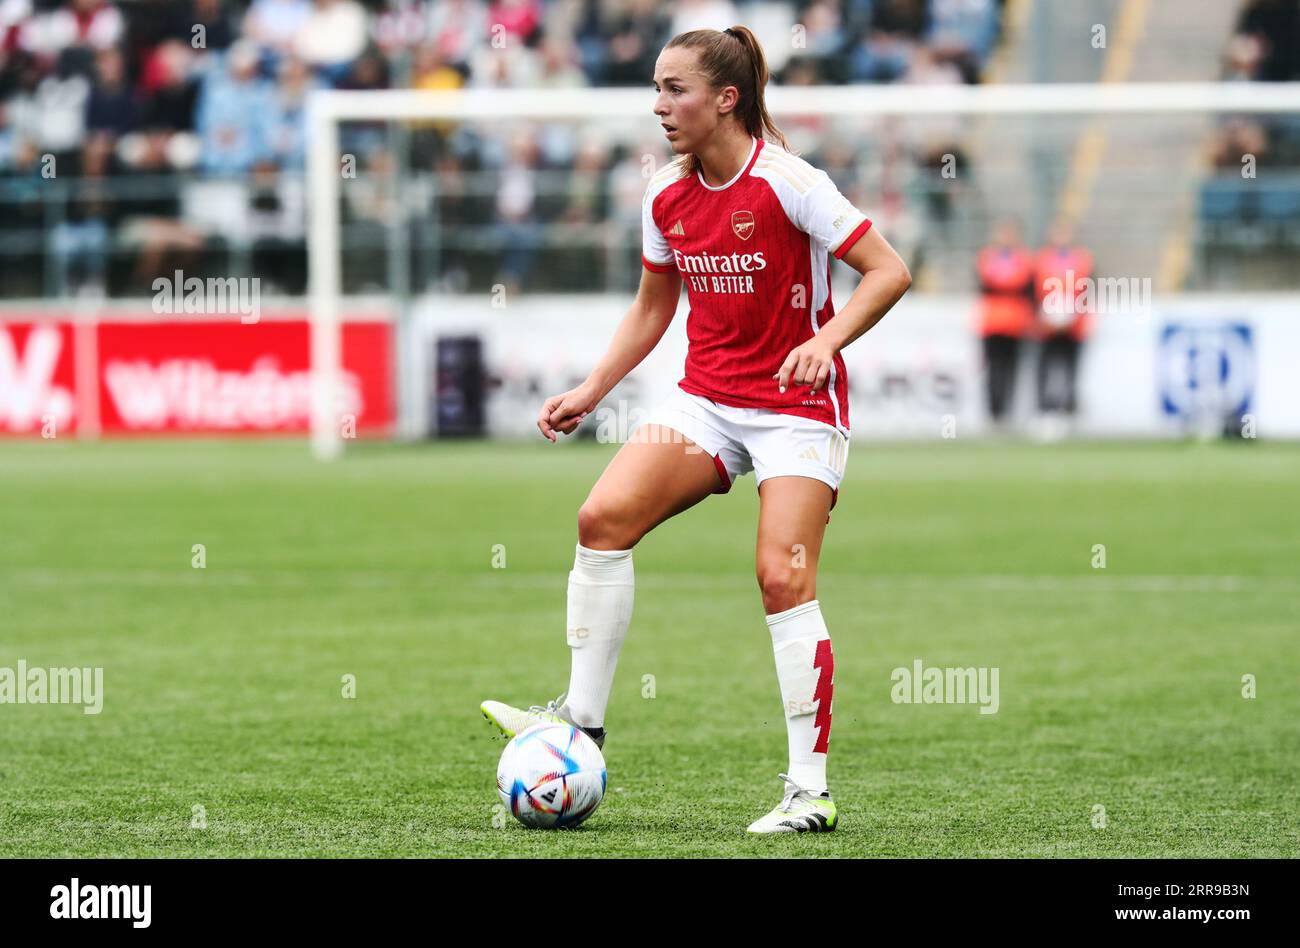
[(742, 222)]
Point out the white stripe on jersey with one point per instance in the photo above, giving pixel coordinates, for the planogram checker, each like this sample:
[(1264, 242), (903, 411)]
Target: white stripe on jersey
[(798, 172)]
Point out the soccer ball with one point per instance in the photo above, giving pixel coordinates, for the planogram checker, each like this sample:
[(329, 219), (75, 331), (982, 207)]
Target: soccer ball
[(551, 776)]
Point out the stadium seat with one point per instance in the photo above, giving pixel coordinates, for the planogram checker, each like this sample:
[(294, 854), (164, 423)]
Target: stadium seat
[(1225, 200), (1279, 202)]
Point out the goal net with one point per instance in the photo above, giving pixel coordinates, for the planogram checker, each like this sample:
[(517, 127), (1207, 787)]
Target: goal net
[(504, 228)]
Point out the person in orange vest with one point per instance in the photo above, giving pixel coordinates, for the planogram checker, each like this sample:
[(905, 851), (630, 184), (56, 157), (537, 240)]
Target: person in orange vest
[(1006, 311), (1061, 272)]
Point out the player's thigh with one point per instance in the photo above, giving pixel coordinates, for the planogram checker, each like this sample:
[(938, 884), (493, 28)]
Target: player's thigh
[(656, 474), (792, 518)]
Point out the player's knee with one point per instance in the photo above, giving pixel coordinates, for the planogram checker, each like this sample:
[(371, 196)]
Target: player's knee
[(784, 586), (600, 528)]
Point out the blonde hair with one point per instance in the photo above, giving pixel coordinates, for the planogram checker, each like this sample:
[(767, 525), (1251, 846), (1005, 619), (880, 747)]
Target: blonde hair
[(733, 57)]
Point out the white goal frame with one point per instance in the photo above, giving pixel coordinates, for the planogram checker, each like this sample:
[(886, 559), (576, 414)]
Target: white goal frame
[(327, 108)]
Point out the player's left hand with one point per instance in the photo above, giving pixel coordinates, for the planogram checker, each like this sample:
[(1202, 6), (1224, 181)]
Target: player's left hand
[(807, 364)]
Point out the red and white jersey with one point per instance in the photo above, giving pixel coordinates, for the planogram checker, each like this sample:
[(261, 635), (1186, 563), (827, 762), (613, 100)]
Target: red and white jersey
[(754, 254)]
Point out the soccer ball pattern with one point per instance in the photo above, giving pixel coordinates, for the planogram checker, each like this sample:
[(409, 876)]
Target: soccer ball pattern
[(551, 776)]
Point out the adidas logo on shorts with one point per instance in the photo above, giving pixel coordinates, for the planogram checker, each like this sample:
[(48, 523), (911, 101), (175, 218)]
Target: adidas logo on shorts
[(810, 454)]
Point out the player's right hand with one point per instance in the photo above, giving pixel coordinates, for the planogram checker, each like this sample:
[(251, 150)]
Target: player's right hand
[(564, 412)]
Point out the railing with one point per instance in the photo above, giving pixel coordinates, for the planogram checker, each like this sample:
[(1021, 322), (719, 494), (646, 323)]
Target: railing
[(65, 236)]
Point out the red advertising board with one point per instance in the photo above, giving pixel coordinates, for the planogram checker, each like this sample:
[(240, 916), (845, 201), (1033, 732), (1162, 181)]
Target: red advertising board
[(188, 377), (37, 378)]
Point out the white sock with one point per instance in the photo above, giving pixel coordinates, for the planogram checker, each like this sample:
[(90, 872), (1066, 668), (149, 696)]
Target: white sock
[(600, 607), (805, 669)]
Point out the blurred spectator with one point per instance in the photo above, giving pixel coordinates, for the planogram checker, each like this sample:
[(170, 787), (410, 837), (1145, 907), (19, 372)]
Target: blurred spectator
[(1239, 138), (151, 224), (963, 32), (333, 36), (401, 25), (432, 71), (218, 31), (24, 214), (517, 228), (1061, 269), (897, 27), (928, 69), (221, 85), (703, 15), (368, 72), (455, 211), (88, 24), (937, 139), (282, 132), (1275, 25), (1006, 311), (1242, 58), (111, 106), (13, 14), (457, 28), (579, 226), (171, 89), (497, 67), (823, 29), (559, 65), (824, 38), (622, 51), (274, 25), (514, 22), (277, 229), (231, 101), (50, 111), (79, 242), (584, 193), (370, 210)]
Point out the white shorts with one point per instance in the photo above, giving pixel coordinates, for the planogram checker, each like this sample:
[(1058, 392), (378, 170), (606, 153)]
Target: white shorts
[(769, 443)]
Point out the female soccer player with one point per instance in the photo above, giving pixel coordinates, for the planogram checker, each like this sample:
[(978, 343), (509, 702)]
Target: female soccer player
[(749, 228)]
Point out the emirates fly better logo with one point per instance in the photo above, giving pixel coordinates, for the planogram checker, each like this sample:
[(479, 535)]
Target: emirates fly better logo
[(732, 270)]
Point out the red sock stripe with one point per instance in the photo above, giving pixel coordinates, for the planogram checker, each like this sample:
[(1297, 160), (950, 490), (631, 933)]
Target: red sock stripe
[(825, 660)]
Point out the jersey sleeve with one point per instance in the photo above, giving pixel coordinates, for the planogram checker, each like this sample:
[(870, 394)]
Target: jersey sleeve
[(829, 217), (655, 252)]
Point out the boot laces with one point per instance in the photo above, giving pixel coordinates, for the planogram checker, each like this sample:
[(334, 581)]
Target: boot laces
[(552, 707), (792, 791)]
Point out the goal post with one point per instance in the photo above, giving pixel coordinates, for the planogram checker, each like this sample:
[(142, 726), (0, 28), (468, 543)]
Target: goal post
[(328, 109)]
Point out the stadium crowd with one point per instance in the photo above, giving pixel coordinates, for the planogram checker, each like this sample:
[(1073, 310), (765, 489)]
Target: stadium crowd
[(1249, 222), (140, 136)]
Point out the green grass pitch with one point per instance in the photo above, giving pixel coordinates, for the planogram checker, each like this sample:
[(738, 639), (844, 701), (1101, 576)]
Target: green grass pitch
[(1119, 687)]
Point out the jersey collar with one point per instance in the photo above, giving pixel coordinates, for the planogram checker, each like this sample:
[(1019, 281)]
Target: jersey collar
[(753, 153)]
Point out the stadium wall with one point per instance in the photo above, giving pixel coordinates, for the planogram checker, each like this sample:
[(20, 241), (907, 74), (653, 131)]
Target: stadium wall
[(129, 371), (126, 370), (1176, 366)]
